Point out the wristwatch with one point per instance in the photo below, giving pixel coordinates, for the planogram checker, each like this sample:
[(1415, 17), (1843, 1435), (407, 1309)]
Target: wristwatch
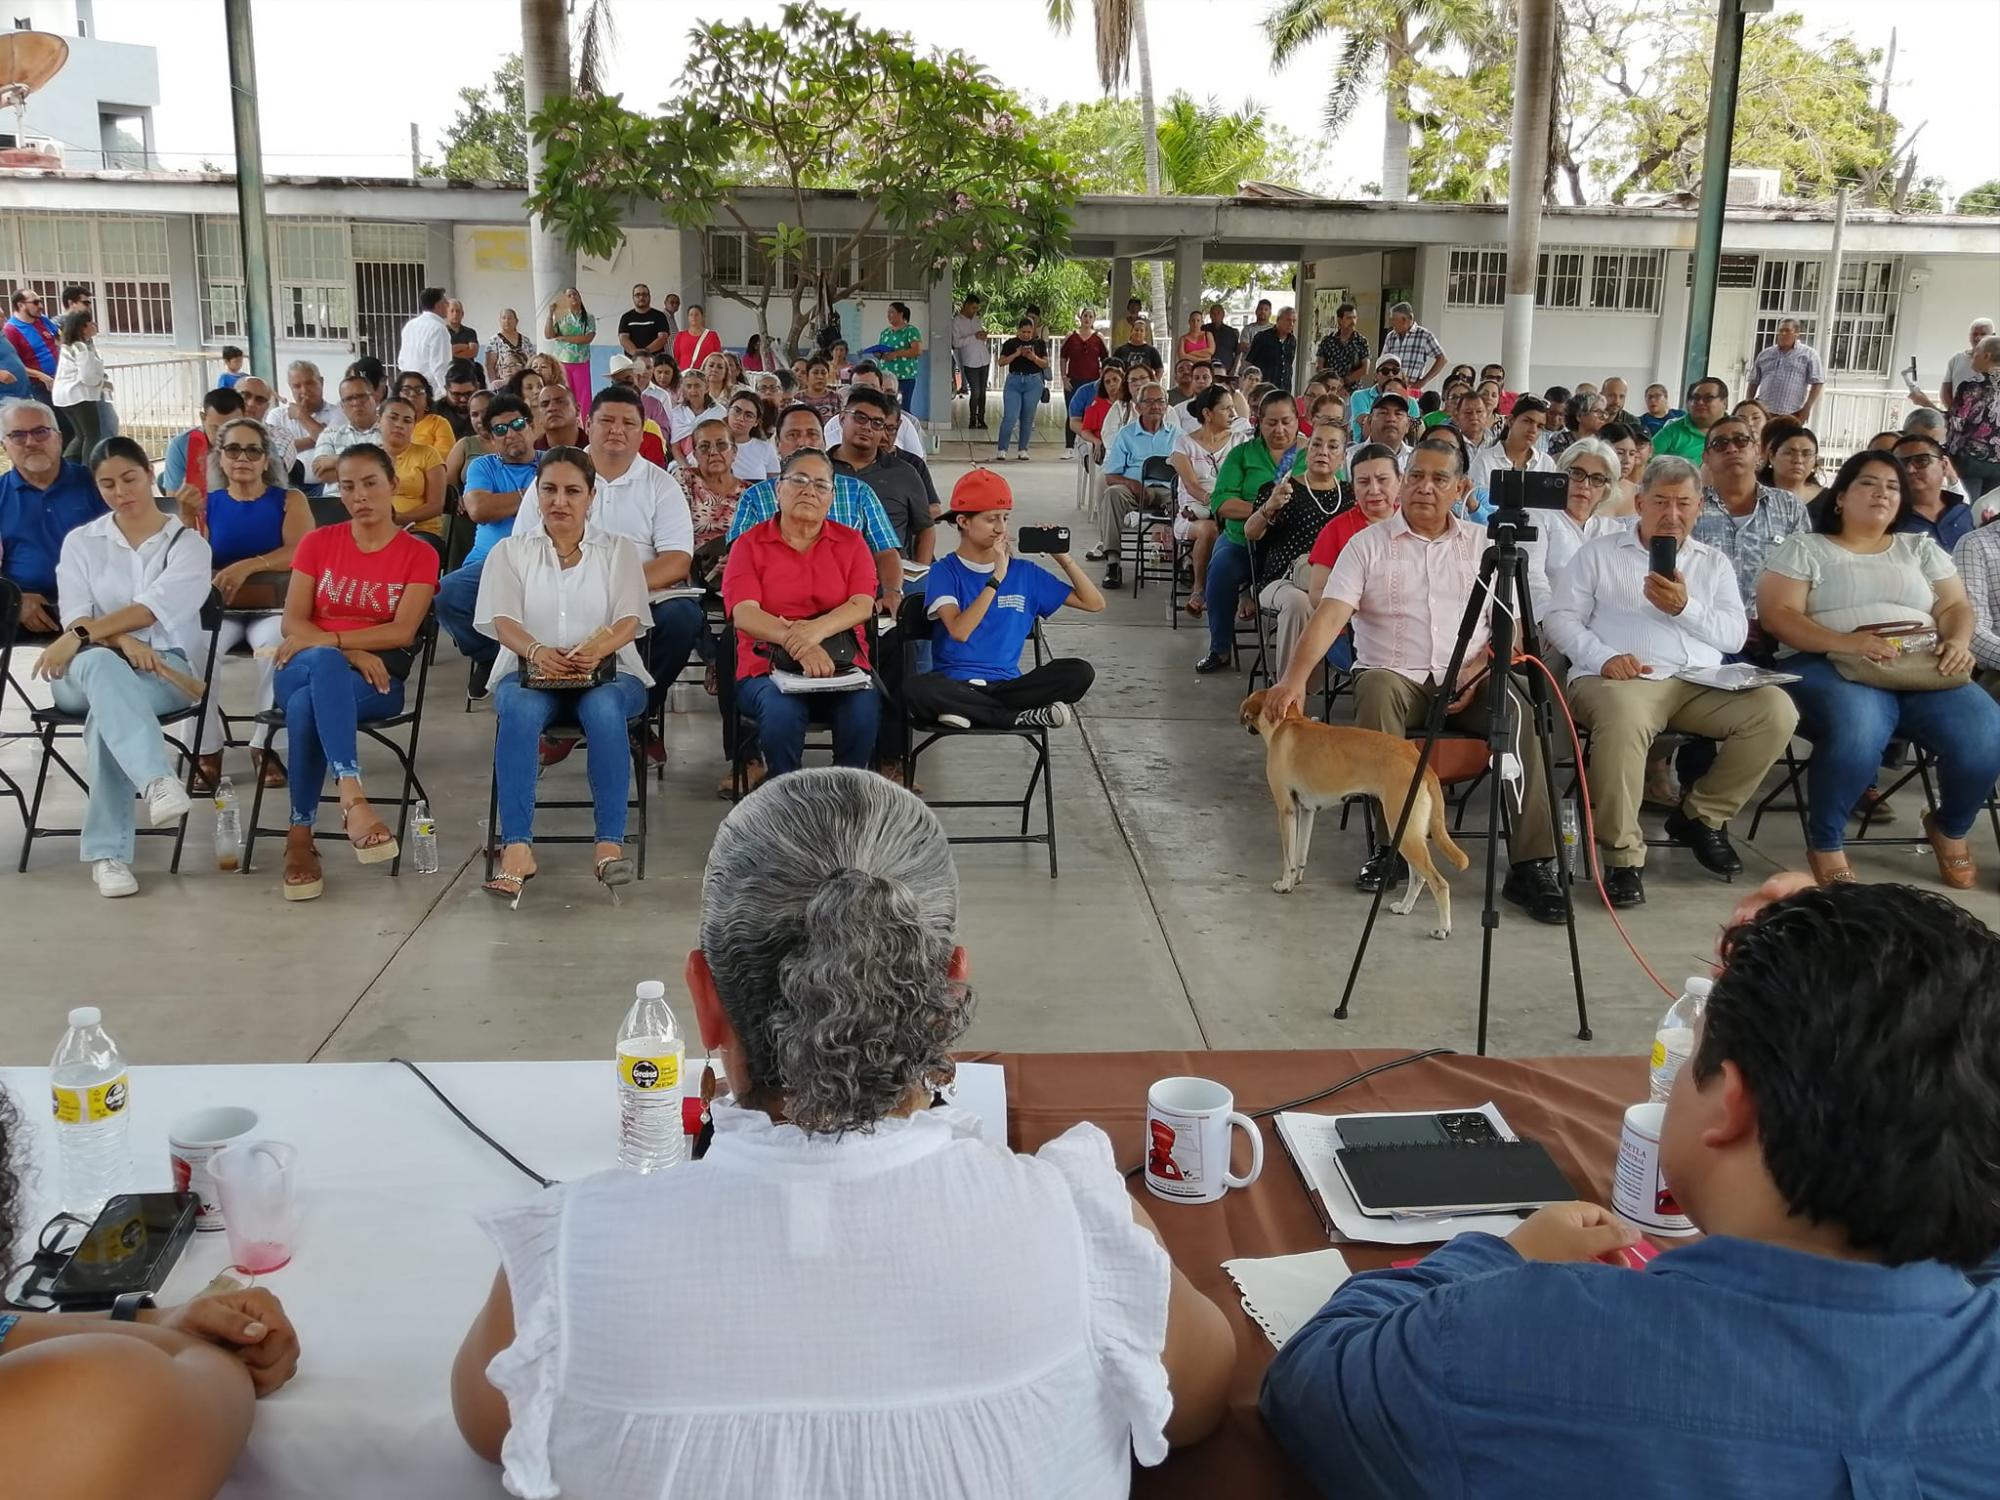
[(80, 633), (126, 1306), (991, 582)]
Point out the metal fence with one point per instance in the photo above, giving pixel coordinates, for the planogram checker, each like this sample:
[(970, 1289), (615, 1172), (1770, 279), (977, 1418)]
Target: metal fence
[(158, 399), (1846, 419)]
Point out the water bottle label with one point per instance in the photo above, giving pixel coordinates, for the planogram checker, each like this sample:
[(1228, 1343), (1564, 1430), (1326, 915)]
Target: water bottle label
[(425, 828), (649, 1073), (81, 1106), (1659, 1053)]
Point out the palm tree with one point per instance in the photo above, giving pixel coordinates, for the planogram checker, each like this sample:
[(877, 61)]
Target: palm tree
[(545, 74), (1121, 32), (1375, 35), (1205, 152)]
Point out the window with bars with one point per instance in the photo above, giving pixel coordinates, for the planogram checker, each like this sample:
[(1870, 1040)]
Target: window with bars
[(736, 261), (311, 262), (1475, 277), (1866, 301), (121, 259), (1787, 288), (1559, 279), (1627, 280), (218, 257)]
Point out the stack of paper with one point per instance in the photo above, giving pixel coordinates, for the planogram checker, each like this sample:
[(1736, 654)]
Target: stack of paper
[(840, 682)]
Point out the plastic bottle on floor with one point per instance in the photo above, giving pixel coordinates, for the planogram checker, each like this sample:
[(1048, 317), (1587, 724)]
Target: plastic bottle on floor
[(1673, 1043), (423, 839), (92, 1099), (228, 826), (650, 1055)]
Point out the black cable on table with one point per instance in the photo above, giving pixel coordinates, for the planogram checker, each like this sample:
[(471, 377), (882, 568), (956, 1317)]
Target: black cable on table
[(1327, 1093), (512, 1159)]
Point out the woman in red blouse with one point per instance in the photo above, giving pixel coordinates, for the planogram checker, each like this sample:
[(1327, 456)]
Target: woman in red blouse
[(358, 597), (793, 583)]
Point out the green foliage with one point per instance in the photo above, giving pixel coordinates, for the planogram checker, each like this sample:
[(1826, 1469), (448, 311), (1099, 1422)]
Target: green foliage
[(1983, 200), (487, 139), (940, 153)]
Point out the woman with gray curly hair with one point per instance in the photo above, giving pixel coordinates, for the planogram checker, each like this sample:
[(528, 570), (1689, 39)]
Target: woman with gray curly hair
[(906, 1310)]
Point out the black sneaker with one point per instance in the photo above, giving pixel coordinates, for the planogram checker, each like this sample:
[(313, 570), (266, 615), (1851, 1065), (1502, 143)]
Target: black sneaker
[(476, 686), (1534, 886), (1114, 577), (1711, 846), (1379, 869), (1624, 887), (1055, 716), (1215, 661)]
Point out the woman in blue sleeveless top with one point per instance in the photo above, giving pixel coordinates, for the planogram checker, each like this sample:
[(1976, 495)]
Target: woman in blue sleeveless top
[(252, 522)]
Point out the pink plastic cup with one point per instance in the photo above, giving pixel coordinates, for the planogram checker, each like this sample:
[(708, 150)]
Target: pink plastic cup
[(258, 1182)]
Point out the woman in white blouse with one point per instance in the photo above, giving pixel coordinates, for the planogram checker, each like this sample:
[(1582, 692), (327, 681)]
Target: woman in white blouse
[(82, 391), (132, 585), (1590, 467), (866, 1301), (1197, 458), (1515, 448), (565, 607)]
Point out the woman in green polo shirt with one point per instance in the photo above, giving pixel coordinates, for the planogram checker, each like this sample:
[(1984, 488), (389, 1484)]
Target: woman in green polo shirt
[(569, 329), (904, 345), (1250, 470)]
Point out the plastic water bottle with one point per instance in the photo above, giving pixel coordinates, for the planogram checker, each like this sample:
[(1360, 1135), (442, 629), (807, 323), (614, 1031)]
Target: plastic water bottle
[(423, 839), (650, 1054), (92, 1097), (1673, 1043), (228, 827), (1571, 833)]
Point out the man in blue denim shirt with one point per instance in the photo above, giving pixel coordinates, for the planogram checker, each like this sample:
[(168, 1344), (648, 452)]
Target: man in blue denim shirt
[(1837, 1134)]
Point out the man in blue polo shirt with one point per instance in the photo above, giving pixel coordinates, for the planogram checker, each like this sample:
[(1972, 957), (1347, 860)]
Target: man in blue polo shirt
[(42, 500), (494, 484), (1149, 435), (984, 602)]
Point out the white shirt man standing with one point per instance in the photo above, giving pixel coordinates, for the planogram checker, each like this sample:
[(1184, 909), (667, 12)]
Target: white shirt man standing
[(1786, 376), (974, 356), (425, 346), (1627, 629)]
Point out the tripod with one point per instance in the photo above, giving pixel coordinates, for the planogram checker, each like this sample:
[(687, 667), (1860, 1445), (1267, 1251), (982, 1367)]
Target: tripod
[(1503, 576)]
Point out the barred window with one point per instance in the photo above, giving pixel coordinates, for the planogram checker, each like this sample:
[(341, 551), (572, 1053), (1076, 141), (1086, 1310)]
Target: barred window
[(1559, 279), (120, 258), (1476, 277)]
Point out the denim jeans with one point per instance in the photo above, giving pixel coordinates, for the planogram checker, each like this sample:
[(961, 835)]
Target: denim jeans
[(603, 712), (323, 699), (122, 743), (906, 392), (676, 624), (1019, 402), (457, 596), (1228, 575), (1849, 725), (782, 719)]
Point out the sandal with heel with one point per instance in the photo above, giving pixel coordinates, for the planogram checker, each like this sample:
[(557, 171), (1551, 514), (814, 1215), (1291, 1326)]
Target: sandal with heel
[(375, 852)]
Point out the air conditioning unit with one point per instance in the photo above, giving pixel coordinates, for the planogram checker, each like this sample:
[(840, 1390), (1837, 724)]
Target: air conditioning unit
[(1753, 187)]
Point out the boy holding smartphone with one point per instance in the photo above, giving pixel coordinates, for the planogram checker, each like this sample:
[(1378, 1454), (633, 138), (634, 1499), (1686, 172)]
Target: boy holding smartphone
[(983, 602)]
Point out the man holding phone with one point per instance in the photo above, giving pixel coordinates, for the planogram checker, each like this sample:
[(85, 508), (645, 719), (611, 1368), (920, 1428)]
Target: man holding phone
[(983, 601), (1632, 609)]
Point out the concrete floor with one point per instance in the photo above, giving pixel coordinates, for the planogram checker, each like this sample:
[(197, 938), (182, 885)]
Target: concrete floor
[(1162, 932)]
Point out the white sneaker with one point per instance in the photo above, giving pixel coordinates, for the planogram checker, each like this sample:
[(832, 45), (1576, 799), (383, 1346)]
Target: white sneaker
[(1055, 716), (114, 878), (1022, 456), (166, 802), (1068, 454), (954, 721)]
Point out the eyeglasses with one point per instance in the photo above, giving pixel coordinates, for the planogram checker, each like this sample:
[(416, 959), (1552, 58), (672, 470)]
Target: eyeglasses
[(519, 424), (863, 420), (713, 447), (1703, 396), (1734, 444), (1920, 461), (1595, 481), (242, 450), (803, 483), (31, 434)]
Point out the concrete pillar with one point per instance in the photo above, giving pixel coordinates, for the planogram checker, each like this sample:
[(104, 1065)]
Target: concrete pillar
[(933, 397), (1121, 293), (184, 281), (1302, 360), (1187, 291)]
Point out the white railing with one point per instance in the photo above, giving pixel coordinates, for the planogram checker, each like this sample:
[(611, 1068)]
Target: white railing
[(1848, 417), (158, 399)]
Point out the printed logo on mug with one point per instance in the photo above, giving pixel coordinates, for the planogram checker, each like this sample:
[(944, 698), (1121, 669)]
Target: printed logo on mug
[(1188, 1121), (191, 1146), (1639, 1191)]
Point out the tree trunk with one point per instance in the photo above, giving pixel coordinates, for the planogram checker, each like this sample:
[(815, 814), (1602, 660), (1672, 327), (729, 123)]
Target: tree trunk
[(1395, 118), (1150, 125), (544, 76)]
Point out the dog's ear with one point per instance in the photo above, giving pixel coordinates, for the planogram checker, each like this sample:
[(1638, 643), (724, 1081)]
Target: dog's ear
[(1251, 710)]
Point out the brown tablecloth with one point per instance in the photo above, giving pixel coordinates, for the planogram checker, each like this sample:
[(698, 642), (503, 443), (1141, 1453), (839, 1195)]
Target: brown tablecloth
[(1573, 1106)]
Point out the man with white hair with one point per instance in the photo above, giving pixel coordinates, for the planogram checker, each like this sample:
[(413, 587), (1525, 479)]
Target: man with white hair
[(257, 399), (1786, 376), (1149, 435), (1959, 367), (1627, 632), (1413, 347), (304, 418), (43, 499)]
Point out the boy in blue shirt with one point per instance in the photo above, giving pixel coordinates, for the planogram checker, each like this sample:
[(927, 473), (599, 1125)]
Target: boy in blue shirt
[(984, 603)]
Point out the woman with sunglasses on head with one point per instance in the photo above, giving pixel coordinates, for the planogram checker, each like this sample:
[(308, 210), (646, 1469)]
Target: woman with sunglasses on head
[(419, 474), (253, 521), (1831, 597), (428, 426), (356, 603), (132, 585), (755, 457)]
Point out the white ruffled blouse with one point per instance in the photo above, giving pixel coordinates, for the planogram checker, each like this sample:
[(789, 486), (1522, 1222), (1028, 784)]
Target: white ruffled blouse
[(904, 1313)]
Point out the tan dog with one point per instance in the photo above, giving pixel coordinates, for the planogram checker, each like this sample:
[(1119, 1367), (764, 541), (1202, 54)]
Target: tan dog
[(1312, 765)]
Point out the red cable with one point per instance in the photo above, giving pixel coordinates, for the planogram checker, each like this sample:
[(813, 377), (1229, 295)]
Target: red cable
[(1590, 829)]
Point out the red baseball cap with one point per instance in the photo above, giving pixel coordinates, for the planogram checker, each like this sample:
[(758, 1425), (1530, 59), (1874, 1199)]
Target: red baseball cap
[(980, 489)]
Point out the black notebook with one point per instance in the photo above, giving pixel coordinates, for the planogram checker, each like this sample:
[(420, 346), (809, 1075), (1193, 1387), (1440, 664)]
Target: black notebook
[(1472, 1177)]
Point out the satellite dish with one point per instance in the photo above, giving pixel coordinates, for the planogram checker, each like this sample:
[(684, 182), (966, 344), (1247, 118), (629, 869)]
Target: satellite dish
[(28, 60)]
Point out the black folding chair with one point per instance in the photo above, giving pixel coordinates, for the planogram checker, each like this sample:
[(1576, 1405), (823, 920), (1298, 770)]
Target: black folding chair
[(738, 724), (327, 509), (635, 796), (1921, 763), (55, 725), (920, 734), (1163, 488), (410, 721), (10, 631)]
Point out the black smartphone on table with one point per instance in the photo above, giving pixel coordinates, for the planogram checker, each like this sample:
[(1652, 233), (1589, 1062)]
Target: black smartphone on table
[(132, 1247), (1054, 539)]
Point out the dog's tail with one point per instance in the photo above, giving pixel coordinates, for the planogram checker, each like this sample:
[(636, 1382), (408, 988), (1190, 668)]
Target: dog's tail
[(1441, 836)]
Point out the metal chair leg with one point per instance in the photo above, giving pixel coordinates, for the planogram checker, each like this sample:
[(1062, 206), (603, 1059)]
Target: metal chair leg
[(48, 740), (1049, 801)]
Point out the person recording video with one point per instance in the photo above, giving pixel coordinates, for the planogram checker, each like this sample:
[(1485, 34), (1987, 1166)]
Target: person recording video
[(984, 602)]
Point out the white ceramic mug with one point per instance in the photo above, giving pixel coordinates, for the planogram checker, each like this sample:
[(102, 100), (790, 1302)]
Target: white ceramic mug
[(1188, 1121), (1638, 1190), (192, 1144)]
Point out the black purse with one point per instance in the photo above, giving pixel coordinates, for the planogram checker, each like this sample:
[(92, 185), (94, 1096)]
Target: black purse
[(840, 649)]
